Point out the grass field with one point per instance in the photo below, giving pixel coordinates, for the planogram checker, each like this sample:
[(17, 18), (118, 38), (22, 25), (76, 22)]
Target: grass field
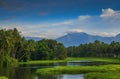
[(42, 61), (103, 75), (77, 69), (110, 60)]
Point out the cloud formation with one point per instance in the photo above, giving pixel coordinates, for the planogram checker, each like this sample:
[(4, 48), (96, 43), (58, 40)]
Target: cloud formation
[(105, 24), (108, 13), (75, 31), (81, 18)]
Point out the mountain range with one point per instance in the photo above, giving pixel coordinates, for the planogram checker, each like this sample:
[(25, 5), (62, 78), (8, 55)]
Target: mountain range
[(77, 38)]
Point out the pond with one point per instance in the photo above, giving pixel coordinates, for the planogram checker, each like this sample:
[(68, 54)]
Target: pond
[(29, 71)]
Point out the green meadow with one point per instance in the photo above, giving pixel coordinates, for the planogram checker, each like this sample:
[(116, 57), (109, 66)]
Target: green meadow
[(77, 69), (103, 75), (108, 60), (110, 71)]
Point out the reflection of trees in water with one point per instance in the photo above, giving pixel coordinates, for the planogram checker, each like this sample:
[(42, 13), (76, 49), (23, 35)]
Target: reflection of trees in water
[(25, 73), (60, 64), (7, 71), (16, 73), (4, 71), (60, 77)]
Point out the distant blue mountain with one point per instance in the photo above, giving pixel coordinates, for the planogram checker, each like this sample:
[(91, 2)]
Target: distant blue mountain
[(117, 38), (33, 38), (75, 39)]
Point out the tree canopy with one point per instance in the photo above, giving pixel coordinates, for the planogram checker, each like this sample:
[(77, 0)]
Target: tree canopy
[(14, 47), (95, 49)]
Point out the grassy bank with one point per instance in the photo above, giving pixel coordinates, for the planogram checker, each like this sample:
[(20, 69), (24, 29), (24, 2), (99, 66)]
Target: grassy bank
[(105, 75), (2, 77), (77, 69), (110, 60), (42, 61)]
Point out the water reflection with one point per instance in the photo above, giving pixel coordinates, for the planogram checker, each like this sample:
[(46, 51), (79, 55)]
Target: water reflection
[(65, 76), (47, 77), (80, 76), (4, 71), (29, 71), (24, 73), (80, 63)]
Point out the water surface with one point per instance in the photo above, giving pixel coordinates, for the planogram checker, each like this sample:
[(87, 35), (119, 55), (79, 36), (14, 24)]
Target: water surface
[(29, 71)]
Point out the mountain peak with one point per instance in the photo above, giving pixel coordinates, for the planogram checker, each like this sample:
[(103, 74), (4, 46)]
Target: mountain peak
[(77, 38), (118, 35)]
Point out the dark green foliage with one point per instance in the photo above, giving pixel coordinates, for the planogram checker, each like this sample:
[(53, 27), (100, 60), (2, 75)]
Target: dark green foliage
[(96, 49), (9, 43), (14, 47), (49, 49)]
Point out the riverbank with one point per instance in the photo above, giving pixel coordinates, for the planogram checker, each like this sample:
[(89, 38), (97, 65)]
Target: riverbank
[(42, 61), (90, 72), (108, 60), (77, 69)]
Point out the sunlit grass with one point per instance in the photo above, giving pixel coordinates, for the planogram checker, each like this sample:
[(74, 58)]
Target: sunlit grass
[(110, 60), (2, 77), (105, 75), (42, 61), (77, 69), (114, 60)]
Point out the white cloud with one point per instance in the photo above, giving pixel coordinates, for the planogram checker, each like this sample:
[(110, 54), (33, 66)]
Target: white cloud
[(75, 30), (108, 34), (110, 13), (11, 26), (69, 22), (105, 34), (107, 12), (46, 30), (85, 17), (105, 24)]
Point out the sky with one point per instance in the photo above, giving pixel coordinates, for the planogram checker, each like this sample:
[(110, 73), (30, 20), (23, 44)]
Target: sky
[(55, 18)]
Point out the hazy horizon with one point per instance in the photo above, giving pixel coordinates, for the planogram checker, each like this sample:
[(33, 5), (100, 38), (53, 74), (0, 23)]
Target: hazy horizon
[(55, 18)]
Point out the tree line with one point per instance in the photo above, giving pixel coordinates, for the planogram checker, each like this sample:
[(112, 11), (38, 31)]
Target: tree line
[(14, 47), (95, 49)]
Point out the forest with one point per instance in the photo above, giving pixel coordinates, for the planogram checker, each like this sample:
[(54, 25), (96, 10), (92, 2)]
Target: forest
[(95, 49), (15, 48)]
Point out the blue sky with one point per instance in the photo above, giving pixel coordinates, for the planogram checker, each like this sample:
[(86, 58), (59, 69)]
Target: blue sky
[(54, 18)]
